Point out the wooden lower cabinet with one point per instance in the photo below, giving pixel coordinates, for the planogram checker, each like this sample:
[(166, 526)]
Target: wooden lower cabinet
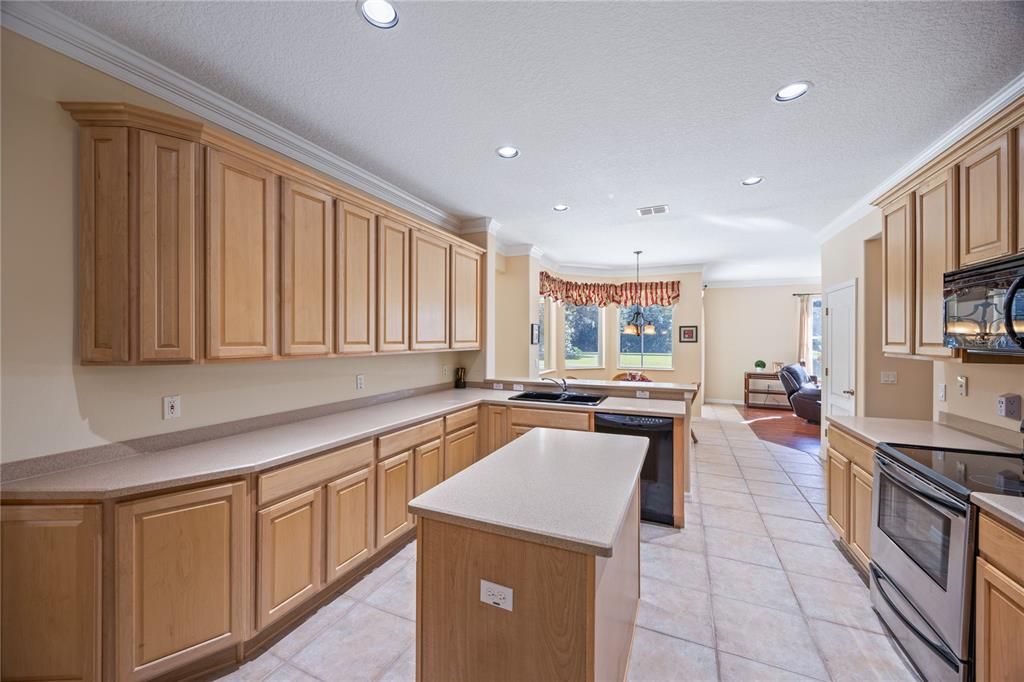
[(350, 522), (51, 592), (394, 490), (460, 450), (860, 514), (428, 468), (838, 487), (999, 625), (496, 421), (181, 580), (517, 430), (289, 565)]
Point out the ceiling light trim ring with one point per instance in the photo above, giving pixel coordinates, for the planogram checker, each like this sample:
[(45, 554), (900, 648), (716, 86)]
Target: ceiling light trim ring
[(375, 20)]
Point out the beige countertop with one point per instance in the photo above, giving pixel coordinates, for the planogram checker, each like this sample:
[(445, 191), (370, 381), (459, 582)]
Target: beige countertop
[(568, 489), (270, 447), (915, 432), (601, 383), (1006, 508)]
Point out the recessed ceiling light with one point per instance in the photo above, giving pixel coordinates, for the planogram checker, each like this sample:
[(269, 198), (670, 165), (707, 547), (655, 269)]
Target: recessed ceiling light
[(561, 208), (507, 152), (752, 180), (379, 13), (793, 91)]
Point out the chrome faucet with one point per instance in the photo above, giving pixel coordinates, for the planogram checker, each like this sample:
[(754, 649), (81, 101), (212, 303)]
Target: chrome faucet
[(558, 382)]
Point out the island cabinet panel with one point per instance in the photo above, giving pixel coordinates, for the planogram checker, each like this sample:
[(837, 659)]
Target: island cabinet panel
[(986, 202), (898, 280), (428, 467), (51, 592), (103, 245), (838, 489), (496, 426), (307, 270), (394, 490), (860, 514), (289, 555), (350, 514), (430, 286), (936, 254), (241, 262), (181, 580), (167, 247), (356, 279), (460, 450), (392, 286), (466, 296)]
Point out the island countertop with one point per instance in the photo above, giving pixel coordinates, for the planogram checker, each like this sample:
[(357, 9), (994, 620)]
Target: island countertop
[(568, 489)]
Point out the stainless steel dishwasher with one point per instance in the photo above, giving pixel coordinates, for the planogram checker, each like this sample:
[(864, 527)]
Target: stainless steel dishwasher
[(656, 475)]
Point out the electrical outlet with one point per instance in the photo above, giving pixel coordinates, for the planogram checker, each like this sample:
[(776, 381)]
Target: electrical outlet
[(888, 377), (643, 394), (961, 386), (942, 393), (517, 387), (172, 406), (496, 595), (1008, 405), (360, 382), (444, 371), (498, 387)]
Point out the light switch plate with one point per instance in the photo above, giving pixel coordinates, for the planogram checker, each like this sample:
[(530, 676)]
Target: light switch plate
[(643, 394), (888, 377), (498, 387), (942, 393), (494, 594), (172, 406)]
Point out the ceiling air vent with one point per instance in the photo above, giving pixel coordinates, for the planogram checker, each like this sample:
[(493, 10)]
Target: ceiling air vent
[(652, 210)]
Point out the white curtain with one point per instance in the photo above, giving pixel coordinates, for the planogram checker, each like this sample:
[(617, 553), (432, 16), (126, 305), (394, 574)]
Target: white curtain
[(805, 349)]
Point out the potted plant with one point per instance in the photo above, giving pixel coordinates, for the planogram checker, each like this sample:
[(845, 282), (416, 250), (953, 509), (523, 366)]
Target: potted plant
[(760, 365)]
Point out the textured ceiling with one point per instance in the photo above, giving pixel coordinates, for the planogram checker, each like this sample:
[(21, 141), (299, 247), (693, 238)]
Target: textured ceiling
[(614, 105)]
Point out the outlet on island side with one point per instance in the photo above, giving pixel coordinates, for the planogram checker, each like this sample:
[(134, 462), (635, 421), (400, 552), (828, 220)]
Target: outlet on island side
[(172, 406), (360, 382), (496, 595)]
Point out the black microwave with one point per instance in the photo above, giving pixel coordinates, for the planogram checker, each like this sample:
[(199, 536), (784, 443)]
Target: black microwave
[(984, 307)]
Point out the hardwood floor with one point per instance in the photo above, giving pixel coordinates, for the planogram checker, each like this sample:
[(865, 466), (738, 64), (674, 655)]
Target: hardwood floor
[(784, 428)]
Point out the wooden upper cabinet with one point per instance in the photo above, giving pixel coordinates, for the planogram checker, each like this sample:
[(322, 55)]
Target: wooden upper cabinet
[(241, 263), (936, 254), (103, 245), (356, 279), (898, 281), (1020, 188), (181, 586), (392, 286), (307, 270), (430, 285), (51, 592), (985, 203), (290, 551), (465, 297), (167, 247)]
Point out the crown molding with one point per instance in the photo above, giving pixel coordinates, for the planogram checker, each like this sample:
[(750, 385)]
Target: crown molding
[(972, 121), (488, 225), (62, 34), (626, 273), (810, 282), (521, 250)]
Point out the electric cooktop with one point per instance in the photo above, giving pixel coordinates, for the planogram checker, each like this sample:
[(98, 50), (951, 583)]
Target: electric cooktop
[(963, 471)]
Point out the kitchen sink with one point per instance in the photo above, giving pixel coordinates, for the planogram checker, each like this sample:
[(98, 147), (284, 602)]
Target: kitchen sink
[(567, 398)]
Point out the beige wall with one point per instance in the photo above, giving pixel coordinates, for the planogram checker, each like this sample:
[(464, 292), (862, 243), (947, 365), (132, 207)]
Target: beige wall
[(49, 402), (516, 289), (745, 324)]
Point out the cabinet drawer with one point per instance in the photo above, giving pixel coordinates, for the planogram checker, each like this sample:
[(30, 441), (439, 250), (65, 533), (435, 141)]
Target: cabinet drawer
[(304, 475), (856, 451), (555, 419), (410, 437), (1001, 547), (457, 420)]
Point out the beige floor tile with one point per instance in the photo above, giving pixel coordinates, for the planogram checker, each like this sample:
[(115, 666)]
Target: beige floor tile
[(852, 654), (767, 635), (676, 611), (719, 469), (821, 510), (813, 495), (797, 530), (746, 463), (365, 641), (821, 562), (660, 658), (397, 595), (808, 480), (795, 509), (403, 669), (808, 468), (737, 669), (835, 602), (690, 538), (730, 499), (714, 458), (753, 549), (749, 448), (288, 673), (685, 569), (290, 644), (733, 519), (766, 475), (782, 490), (255, 670), (408, 552), (380, 575), (716, 482), (649, 532), (755, 584)]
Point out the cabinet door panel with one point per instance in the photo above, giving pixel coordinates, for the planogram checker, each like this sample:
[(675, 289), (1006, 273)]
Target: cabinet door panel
[(241, 264), (307, 270), (51, 592), (936, 250), (429, 465), (181, 581), (167, 256), (394, 490), (497, 427), (290, 567), (838, 502), (357, 280), (985, 230), (350, 511), (1019, 133), (860, 514), (430, 283), (999, 625), (898, 282), (392, 286), (517, 430), (460, 450), (465, 298)]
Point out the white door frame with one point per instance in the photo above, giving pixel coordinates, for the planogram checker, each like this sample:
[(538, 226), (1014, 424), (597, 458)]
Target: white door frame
[(828, 344)]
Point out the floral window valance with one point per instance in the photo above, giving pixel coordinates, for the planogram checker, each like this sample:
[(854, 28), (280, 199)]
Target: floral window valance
[(603, 293)]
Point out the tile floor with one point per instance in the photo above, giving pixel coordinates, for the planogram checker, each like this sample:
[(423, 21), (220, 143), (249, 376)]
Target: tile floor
[(752, 590)]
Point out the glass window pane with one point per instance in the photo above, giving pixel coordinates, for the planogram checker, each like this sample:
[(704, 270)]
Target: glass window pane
[(647, 351), (583, 336), (816, 324), (541, 322)]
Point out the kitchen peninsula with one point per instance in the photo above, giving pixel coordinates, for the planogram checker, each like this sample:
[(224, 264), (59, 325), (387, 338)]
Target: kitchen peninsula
[(528, 563)]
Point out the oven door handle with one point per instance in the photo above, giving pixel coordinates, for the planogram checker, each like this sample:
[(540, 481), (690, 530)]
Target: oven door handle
[(939, 647), (897, 475), (1011, 294)]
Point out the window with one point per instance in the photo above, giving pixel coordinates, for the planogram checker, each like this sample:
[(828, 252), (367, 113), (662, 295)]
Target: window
[(583, 336), (541, 323), (816, 316), (647, 351)]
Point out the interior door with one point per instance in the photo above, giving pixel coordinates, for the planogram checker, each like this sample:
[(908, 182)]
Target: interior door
[(841, 355)]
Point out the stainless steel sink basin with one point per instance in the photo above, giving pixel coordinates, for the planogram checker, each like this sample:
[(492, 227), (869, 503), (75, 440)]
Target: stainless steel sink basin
[(567, 398)]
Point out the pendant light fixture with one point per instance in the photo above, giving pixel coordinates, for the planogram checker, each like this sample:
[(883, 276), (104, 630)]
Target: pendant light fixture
[(637, 322)]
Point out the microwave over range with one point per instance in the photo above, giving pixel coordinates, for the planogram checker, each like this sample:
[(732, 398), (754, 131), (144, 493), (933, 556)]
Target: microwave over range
[(984, 307)]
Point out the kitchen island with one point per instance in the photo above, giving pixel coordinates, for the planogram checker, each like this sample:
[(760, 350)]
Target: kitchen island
[(528, 561)]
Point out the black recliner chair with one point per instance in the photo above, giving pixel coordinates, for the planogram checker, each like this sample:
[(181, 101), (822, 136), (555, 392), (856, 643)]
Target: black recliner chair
[(804, 395)]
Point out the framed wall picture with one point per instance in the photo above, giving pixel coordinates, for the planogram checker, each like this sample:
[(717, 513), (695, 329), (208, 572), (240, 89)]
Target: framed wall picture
[(534, 334), (688, 333)]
